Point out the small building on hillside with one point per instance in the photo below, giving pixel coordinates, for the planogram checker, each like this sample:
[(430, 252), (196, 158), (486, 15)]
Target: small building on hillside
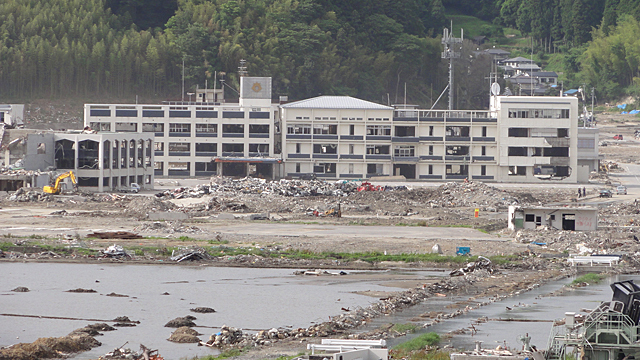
[(575, 218)]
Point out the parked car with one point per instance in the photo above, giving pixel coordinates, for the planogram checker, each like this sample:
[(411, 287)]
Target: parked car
[(133, 188), (621, 190), (606, 193), (617, 137)]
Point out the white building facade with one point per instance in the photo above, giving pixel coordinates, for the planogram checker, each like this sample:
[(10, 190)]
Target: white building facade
[(106, 161), (202, 138), (520, 139)]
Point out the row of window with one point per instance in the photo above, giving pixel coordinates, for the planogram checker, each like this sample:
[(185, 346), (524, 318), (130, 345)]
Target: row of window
[(201, 128), (539, 113), (378, 169), (184, 147), (329, 118), (379, 130), (399, 150), (178, 112)]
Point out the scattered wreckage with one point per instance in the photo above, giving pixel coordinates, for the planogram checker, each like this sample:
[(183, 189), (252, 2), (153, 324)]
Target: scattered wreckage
[(191, 254), (481, 263)]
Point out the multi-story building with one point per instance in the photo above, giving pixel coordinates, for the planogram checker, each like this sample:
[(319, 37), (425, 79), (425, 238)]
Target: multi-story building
[(202, 138), (537, 138), (337, 137), (520, 139)]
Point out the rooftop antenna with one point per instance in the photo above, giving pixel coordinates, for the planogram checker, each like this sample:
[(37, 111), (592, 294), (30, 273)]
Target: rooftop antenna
[(242, 69), (448, 41)]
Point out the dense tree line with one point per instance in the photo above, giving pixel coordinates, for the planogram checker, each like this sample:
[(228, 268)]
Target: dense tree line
[(364, 48)]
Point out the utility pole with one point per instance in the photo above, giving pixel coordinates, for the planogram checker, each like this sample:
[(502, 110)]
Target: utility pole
[(183, 78), (448, 41)]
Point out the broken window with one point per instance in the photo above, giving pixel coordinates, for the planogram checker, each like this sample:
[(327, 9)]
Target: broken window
[(325, 129), (88, 154), (179, 147), (325, 148), (375, 169), (457, 131), (206, 166), (529, 217), (42, 148), (233, 128), (404, 151), (206, 129), (563, 133), (379, 130), (405, 131), (153, 127), (126, 127), (206, 148), (258, 129), (517, 170), (65, 154), (483, 170), (232, 149), (518, 132), (296, 129), (179, 128), (378, 149), (132, 154), (457, 170), (457, 150), (115, 155), (517, 151), (324, 168), (105, 154), (179, 166), (430, 149), (557, 151), (258, 149)]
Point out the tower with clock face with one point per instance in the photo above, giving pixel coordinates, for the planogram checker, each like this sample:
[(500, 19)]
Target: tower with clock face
[(255, 91)]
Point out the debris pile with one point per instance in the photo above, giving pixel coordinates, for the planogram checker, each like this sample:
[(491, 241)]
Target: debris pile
[(49, 348), (481, 263), (168, 227), (115, 251), (227, 336), (23, 195), (191, 254)]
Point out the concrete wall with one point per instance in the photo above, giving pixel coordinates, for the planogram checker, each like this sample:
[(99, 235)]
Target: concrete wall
[(39, 152), (584, 219)]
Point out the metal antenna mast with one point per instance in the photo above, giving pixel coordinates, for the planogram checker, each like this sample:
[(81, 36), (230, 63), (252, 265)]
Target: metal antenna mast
[(448, 41), (242, 69)]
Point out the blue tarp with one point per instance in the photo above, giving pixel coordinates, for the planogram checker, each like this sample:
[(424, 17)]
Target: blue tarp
[(622, 106), (633, 112), (624, 113)]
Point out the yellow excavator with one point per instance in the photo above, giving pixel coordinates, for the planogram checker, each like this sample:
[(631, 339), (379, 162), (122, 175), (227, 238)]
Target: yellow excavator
[(55, 189)]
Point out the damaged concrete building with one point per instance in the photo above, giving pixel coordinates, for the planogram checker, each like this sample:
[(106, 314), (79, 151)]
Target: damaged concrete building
[(100, 161), (520, 139), (203, 138), (576, 218)]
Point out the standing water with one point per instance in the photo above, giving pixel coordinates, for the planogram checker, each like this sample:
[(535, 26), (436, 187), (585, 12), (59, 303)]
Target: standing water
[(250, 299)]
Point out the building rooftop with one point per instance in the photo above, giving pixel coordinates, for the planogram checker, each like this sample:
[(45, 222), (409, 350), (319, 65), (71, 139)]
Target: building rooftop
[(517, 59), (544, 73), (335, 102)]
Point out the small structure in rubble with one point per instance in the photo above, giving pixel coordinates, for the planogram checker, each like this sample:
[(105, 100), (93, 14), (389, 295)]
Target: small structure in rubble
[(576, 218)]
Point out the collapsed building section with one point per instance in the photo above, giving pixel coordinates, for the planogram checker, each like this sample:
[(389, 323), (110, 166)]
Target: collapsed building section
[(100, 161)]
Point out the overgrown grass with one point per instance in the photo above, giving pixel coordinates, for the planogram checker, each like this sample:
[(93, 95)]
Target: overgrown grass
[(472, 25), (421, 355), (223, 355), (589, 278), (5, 245), (371, 257), (419, 342), (405, 328)]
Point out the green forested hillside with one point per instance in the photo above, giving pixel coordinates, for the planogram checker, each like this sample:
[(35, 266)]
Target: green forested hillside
[(365, 48)]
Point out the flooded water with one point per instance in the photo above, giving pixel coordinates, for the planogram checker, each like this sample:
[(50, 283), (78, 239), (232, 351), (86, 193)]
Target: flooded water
[(250, 299), (527, 306), (243, 298)]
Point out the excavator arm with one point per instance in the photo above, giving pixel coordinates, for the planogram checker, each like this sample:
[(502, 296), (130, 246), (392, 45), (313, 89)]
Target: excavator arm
[(55, 189)]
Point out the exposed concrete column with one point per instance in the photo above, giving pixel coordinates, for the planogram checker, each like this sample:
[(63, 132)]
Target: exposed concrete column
[(100, 164)]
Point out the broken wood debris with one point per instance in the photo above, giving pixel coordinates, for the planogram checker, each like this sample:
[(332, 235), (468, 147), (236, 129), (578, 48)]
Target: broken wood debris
[(115, 235)]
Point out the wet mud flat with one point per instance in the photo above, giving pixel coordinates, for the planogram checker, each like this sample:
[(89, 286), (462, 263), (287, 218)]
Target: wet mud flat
[(276, 299), (250, 299)]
